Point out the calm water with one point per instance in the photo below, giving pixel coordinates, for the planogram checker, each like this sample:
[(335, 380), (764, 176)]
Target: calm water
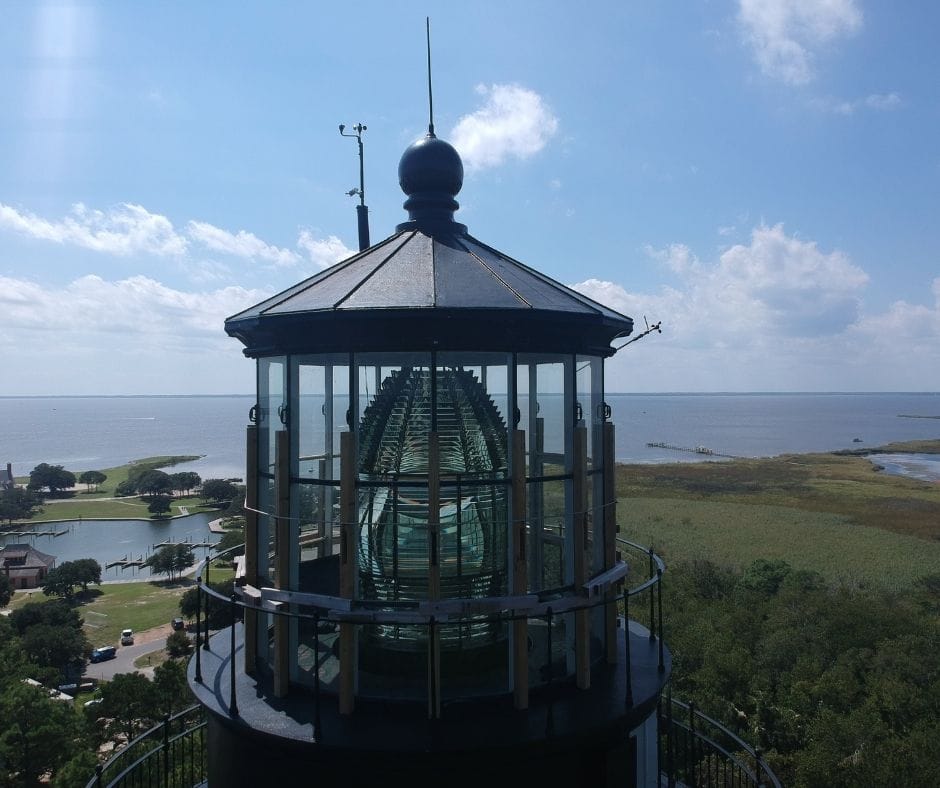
[(111, 540), (85, 433)]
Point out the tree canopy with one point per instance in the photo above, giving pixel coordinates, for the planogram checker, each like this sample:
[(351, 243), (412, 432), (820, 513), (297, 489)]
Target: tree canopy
[(154, 482), (171, 560), (185, 482), (218, 491), (18, 504), (51, 477), (61, 580), (159, 505), (92, 478), (6, 590), (51, 635)]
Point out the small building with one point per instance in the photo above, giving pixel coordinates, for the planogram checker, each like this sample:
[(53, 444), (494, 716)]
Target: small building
[(7, 482), (24, 565)]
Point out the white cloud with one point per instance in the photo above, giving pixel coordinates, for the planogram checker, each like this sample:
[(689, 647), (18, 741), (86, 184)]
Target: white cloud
[(139, 308), (877, 102), (775, 314), (123, 230), (514, 122), (325, 252), (131, 336), (241, 244), (785, 34)]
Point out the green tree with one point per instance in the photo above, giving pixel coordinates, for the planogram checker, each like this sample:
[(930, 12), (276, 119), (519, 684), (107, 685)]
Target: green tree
[(39, 735), (129, 701), (74, 774), (185, 481), (52, 477), (232, 538), (61, 648), (153, 483), (87, 570), (171, 560), (159, 505), (171, 690), (18, 503), (92, 479), (178, 644), (220, 612), (56, 612), (6, 590), (60, 581), (218, 491)]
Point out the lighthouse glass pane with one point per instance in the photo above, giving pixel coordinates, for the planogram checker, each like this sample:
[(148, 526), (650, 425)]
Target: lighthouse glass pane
[(409, 552), (271, 400)]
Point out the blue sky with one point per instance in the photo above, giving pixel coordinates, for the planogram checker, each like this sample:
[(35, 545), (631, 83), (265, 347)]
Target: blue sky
[(761, 176)]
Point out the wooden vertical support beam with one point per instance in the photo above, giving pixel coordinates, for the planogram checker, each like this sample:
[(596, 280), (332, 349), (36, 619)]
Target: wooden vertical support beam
[(520, 574), (251, 545), (322, 535), (434, 571), (281, 667), (610, 539), (347, 570), (434, 517), (282, 508), (582, 620)]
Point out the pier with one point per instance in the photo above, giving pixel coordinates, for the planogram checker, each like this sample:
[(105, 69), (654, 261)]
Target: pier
[(693, 450), (125, 562), (186, 542), (35, 533)]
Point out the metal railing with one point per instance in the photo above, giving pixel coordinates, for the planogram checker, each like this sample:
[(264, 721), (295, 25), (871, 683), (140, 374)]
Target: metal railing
[(697, 750), (171, 754)]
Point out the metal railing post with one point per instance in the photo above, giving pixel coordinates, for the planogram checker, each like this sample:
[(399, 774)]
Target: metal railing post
[(208, 596), (198, 676), (627, 659), (757, 768), (652, 593), (233, 705), (659, 584), (670, 742), (316, 676), (166, 751), (692, 739)]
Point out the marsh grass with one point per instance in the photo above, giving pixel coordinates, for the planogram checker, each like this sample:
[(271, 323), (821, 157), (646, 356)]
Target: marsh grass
[(830, 513)]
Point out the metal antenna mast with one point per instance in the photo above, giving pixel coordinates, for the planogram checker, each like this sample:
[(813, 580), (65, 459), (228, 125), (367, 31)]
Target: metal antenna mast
[(427, 21), (362, 212)]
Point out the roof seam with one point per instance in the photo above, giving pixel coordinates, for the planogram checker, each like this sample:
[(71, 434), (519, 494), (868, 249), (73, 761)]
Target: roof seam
[(545, 279), (498, 278), (279, 298), (374, 270)]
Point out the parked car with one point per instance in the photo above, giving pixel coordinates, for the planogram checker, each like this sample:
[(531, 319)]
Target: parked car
[(92, 702), (127, 637), (102, 653), (178, 623)]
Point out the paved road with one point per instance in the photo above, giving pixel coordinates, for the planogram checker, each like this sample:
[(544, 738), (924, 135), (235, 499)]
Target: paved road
[(145, 642)]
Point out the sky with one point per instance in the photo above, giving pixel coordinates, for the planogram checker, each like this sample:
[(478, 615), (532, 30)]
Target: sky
[(759, 177)]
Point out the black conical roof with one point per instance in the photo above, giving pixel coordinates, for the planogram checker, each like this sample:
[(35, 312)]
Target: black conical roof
[(430, 286)]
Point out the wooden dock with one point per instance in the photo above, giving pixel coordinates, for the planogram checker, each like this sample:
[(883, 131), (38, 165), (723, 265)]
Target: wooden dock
[(188, 544), (691, 449), (124, 563), (35, 533)]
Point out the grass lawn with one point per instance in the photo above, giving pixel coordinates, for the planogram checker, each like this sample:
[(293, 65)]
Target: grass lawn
[(119, 508), (100, 504), (138, 606)]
